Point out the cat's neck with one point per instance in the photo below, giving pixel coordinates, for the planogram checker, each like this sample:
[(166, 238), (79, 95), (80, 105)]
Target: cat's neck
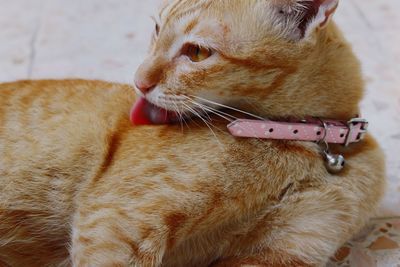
[(327, 83)]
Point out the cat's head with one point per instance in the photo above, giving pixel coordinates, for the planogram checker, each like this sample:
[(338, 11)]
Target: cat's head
[(276, 58)]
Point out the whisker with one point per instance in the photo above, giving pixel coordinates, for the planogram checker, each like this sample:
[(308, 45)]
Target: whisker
[(211, 109), (183, 102), (193, 111), (201, 106), (219, 115), (228, 107), (235, 118), (207, 123), (172, 97), (180, 118), (183, 117), (206, 108), (171, 102), (214, 111), (192, 120), (224, 113)]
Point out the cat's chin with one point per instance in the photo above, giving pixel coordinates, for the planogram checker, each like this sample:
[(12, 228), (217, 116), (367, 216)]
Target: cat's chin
[(145, 113)]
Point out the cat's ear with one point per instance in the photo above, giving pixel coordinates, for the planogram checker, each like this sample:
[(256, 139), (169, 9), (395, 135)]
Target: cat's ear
[(304, 17)]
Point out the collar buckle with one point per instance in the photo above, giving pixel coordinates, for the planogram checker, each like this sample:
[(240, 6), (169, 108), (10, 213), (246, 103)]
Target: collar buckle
[(352, 127)]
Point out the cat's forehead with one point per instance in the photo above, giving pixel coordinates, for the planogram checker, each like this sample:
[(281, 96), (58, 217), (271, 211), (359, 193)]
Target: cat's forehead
[(171, 8), (244, 19), (175, 12), (189, 21)]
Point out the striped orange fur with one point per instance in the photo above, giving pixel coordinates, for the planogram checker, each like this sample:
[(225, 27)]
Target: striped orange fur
[(80, 186)]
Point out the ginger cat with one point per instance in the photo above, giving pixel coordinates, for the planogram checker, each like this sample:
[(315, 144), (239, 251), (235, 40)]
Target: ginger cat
[(81, 186)]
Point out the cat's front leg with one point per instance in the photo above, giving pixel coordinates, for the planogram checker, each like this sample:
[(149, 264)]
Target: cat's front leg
[(104, 238)]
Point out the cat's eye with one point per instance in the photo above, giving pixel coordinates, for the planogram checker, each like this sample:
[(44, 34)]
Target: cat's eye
[(196, 53)]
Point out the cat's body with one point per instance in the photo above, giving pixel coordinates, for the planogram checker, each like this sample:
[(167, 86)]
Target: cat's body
[(71, 160), (77, 177)]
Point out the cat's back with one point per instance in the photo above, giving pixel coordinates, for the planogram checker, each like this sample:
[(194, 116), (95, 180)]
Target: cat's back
[(61, 126), (53, 136), (33, 102)]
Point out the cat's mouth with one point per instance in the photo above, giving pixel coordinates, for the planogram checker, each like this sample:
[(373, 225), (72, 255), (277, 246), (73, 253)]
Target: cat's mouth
[(146, 113)]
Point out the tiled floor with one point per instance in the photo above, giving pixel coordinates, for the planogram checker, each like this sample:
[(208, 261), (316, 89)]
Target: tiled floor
[(107, 39)]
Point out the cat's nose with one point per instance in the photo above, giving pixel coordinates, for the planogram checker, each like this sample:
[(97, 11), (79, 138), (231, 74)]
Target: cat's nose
[(150, 73), (145, 87)]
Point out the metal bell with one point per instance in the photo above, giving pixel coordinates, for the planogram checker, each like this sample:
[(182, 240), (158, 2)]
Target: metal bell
[(334, 163)]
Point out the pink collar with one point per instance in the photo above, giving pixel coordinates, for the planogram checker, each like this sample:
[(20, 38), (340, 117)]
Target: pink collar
[(313, 130)]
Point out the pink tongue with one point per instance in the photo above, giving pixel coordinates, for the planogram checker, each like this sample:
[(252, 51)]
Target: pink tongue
[(145, 113)]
